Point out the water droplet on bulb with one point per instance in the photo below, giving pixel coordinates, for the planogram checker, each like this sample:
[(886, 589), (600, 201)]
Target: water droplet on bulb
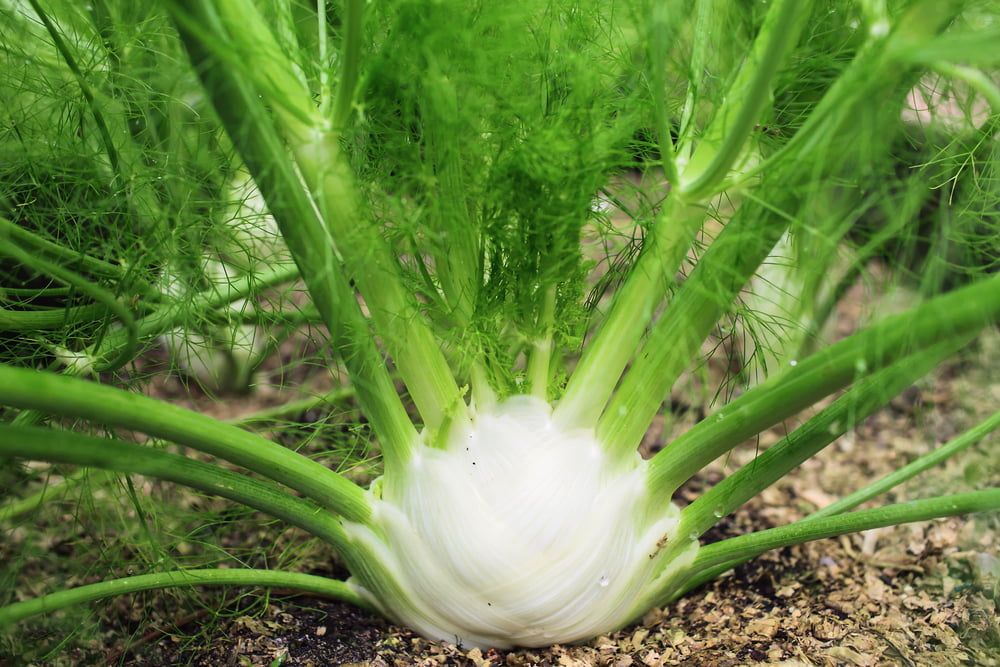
[(604, 581)]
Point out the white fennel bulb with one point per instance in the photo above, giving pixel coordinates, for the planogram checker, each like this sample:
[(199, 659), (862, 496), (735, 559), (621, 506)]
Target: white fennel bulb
[(519, 533)]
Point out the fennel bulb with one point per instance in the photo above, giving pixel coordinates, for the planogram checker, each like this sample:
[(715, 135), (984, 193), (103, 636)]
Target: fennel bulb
[(519, 533)]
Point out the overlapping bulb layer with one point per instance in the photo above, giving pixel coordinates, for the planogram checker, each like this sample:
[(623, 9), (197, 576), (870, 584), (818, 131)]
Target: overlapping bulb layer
[(519, 533)]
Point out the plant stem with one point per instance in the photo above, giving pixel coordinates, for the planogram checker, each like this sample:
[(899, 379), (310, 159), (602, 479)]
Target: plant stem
[(130, 331), (806, 441), (175, 312), (67, 396), (33, 320), (79, 261), (604, 358), (44, 444), (306, 583), (911, 470), (350, 61), (714, 559), (325, 230), (20, 506), (540, 354), (52, 492), (746, 98), (249, 124), (690, 316), (963, 310)]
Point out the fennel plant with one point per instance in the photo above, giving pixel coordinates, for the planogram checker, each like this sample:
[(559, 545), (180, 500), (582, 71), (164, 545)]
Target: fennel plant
[(433, 170)]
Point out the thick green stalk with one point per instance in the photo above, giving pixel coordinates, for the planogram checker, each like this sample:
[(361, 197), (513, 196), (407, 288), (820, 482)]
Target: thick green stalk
[(806, 441), (604, 358), (747, 97), (964, 310), (691, 315), (911, 470), (71, 397), (714, 559), (307, 583), (43, 444), (250, 125), (326, 229), (49, 318), (15, 508)]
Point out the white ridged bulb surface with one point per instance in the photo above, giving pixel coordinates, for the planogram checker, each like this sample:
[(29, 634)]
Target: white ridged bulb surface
[(519, 534)]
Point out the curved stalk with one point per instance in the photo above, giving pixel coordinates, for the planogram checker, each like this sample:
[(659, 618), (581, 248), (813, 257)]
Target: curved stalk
[(694, 310), (912, 469), (43, 444), (49, 318), (175, 312), (126, 352), (79, 261), (746, 98), (350, 60), (306, 583), (17, 507), (67, 396), (325, 228), (307, 237), (963, 310), (714, 559), (806, 441)]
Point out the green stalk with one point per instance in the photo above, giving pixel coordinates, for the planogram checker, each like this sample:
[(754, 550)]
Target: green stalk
[(714, 559), (975, 79), (806, 441), (662, 32), (21, 506), (79, 261), (691, 315), (250, 125), (963, 310), (707, 19), (320, 239), (540, 354), (44, 444), (307, 583), (350, 61), (176, 312), (49, 318), (911, 470), (746, 98), (604, 358), (71, 397), (130, 332), (52, 492)]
